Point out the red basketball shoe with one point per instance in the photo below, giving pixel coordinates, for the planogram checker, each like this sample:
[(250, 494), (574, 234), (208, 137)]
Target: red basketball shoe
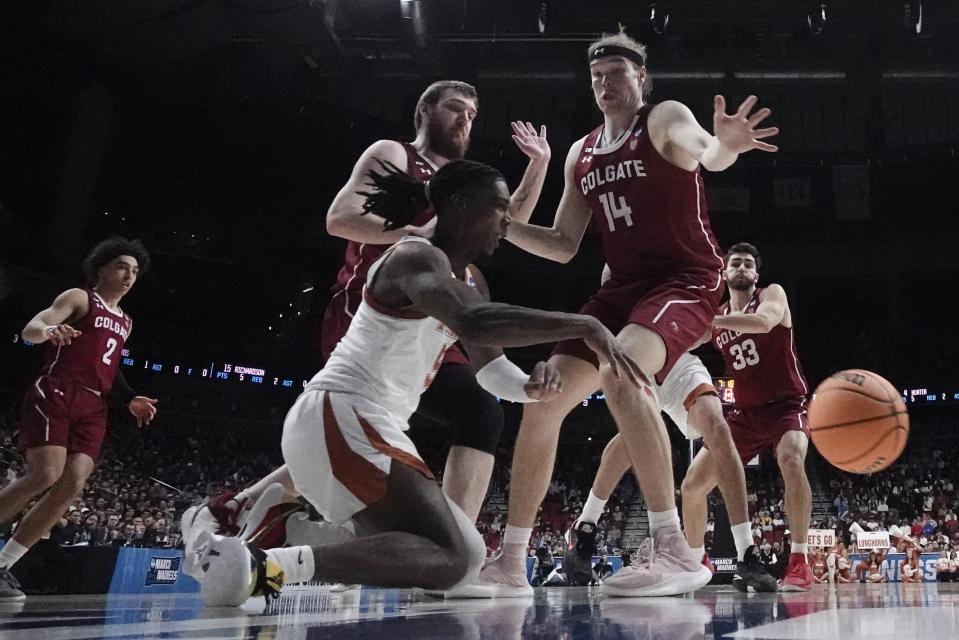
[(798, 576)]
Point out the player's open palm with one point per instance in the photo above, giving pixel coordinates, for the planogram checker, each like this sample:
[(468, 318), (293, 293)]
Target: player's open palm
[(143, 409), (61, 334), (545, 383), (738, 132), (610, 352), (531, 142)]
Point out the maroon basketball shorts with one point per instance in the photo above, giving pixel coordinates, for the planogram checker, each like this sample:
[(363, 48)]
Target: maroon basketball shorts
[(339, 314), (755, 429), (679, 308), (57, 412)]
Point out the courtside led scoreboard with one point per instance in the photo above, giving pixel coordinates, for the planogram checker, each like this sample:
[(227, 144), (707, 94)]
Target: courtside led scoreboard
[(258, 375), (725, 388)]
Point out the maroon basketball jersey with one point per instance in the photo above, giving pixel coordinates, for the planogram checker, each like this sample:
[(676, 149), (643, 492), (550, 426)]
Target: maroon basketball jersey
[(91, 359), (764, 366), (359, 256), (652, 214)]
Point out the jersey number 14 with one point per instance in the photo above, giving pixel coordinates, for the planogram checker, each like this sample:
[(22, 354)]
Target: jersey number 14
[(616, 208)]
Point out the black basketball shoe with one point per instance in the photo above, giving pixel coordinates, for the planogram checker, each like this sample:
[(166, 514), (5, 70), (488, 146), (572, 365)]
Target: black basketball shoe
[(751, 574), (580, 549)]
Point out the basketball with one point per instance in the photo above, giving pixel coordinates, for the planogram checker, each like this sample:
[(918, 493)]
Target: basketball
[(858, 421)]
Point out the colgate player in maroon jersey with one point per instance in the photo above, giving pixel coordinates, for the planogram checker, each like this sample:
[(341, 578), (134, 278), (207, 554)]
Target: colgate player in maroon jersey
[(443, 119), (754, 333), (64, 416), (637, 177)]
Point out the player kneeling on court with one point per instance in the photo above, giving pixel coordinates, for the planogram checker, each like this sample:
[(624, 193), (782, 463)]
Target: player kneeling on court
[(345, 438)]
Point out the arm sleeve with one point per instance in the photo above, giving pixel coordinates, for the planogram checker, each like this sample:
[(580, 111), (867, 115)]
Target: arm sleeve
[(122, 393), (504, 380)]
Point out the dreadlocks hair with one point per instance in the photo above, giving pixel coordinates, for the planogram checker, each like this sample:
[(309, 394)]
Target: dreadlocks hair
[(745, 247), (110, 249), (397, 197)]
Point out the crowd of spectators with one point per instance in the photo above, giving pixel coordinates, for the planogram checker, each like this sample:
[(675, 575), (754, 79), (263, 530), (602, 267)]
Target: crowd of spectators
[(918, 494), (144, 480), (565, 497)]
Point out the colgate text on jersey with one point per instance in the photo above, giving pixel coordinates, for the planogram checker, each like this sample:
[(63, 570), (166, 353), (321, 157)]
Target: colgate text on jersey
[(109, 323), (612, 173), (726, 337)]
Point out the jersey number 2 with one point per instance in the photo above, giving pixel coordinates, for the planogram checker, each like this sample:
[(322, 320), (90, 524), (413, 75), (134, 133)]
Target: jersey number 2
[(614, 209), (745, 354), (111, 347)]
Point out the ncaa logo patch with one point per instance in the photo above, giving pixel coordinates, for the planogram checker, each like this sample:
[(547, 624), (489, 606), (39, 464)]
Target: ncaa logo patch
[(674, 326), (163, 571)]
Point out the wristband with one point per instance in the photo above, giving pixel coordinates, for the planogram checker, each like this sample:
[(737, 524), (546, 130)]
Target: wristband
[(504, 380)]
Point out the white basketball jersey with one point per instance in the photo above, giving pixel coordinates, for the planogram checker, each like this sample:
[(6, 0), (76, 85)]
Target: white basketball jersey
[(388, 356)]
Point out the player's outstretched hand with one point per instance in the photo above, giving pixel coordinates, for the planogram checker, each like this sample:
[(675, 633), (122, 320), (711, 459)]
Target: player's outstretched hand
[(738, 132), (545, 383), (610, 352), (143, 409), (61, 334), (531, 142)]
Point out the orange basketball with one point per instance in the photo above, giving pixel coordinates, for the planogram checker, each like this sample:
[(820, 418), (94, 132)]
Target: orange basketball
[(858, 421)]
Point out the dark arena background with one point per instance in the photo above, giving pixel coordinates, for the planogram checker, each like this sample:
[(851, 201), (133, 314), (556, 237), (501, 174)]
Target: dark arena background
[(218, 133)]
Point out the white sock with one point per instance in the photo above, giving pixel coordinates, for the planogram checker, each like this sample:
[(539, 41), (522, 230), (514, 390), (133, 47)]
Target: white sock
[(296, 562), (593, 508), (516, 539), (11, 552), (663, 520), (699, 552), (742, 537), (799, 547)]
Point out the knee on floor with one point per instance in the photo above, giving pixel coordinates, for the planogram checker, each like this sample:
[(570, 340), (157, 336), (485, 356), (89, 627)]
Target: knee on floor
[(453, 569)]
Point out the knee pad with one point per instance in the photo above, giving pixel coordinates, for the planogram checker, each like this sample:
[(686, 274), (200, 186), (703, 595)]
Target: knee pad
[(474, 544), (456, 399), (481, 426)]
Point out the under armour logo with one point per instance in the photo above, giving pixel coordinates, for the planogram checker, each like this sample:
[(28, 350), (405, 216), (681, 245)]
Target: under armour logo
[(599, 52)]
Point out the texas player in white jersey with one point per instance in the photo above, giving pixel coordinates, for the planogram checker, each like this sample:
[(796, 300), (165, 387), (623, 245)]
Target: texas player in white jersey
[(345, 438)]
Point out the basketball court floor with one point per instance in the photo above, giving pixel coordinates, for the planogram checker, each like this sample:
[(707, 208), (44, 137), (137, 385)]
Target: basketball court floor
[(849, 612)]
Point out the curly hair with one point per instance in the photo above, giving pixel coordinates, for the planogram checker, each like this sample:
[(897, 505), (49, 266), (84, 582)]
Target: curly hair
[(110, 249)]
